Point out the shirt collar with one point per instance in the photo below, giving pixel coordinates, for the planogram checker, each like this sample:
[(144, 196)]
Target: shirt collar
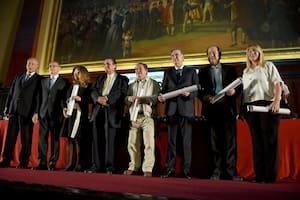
[(112, 75), (180, 68), (142, 81), (218, 66), (55, 76)]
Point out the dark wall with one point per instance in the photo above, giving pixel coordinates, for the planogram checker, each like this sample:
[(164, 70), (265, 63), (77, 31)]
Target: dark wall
[(25, 42)]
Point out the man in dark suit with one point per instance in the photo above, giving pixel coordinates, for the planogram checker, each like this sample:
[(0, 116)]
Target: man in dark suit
[(108, 94), (19, 108), (180, 112), (52, 99), (221, 115)]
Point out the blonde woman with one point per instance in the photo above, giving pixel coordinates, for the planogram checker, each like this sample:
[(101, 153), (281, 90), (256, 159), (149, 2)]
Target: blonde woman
[(262, 86)]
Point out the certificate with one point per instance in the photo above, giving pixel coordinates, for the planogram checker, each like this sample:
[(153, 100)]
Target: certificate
[(252, 108), (71, 100)]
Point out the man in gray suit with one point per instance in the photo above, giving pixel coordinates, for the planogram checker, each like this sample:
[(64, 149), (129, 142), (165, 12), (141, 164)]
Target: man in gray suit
[(52, 99), (19, 108), (180, 112)]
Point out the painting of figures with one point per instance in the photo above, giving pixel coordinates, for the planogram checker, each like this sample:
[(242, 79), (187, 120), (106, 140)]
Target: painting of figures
[(91, 30)]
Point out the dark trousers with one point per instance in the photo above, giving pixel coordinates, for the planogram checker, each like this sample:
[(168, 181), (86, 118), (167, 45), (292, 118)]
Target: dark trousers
[(53, 127), (264, 129), (180, 130), (223, 146), (104, 137), (18, 123)]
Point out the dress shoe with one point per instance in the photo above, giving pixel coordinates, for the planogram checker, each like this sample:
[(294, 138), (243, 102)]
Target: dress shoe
[(77, 168), (147, 174), (21, 166), (93, 169), (40, 167), (90, 171), (168, 173), (5, 163), (187, 175), (257, 181), (109, 170), (128, 172), (215, 177), (270, 180), (51, 167), (67, 169), (237, 178)]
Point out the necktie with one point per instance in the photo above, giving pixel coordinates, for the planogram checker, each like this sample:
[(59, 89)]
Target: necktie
[(178, 74), (217, 80), (105, 86), (52, 80), (27, 77)]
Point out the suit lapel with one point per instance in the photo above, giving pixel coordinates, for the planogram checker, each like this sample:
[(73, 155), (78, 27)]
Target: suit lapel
[(47, 82), (224, 74), (55, 83), (173, 75), (27, 82), (115, 83), (22, 79)]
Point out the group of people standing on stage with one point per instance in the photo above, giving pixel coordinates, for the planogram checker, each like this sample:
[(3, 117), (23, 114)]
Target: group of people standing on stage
[(46, 100)]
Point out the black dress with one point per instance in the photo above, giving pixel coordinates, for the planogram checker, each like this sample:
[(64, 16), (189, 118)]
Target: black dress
[(81, 107)]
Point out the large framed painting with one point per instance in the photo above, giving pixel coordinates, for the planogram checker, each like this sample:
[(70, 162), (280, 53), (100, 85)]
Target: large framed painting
[(86, 31)]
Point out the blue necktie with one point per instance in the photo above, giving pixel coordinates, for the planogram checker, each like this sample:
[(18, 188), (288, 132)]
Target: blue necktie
[(217, 80), (51, 82)]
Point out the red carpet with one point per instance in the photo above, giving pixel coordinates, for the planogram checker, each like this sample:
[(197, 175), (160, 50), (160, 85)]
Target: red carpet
[(179, 188)]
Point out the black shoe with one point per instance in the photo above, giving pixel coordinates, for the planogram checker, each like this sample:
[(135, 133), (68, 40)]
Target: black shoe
[(93, 169), (40, 167), (215, 177), (109, 170), (237, 178), (187, 175), (51, 167), (270, 181), (5, 163), (168, 173), (21, 166), (68, 168), (257, 180), (77, 168)]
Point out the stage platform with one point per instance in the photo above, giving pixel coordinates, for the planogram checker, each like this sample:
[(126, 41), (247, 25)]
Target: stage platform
[(45, 184)]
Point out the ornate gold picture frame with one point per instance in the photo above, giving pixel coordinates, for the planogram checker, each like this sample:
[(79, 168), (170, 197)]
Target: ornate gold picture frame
[(192, 31)]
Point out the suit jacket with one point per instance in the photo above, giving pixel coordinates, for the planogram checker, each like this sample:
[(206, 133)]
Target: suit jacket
[(22, 96), (53, 101), (116, 97), (184, 105), (206, 79)]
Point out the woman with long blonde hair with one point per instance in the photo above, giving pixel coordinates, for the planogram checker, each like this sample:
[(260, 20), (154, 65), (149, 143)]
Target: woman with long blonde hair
[(262, 86)]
